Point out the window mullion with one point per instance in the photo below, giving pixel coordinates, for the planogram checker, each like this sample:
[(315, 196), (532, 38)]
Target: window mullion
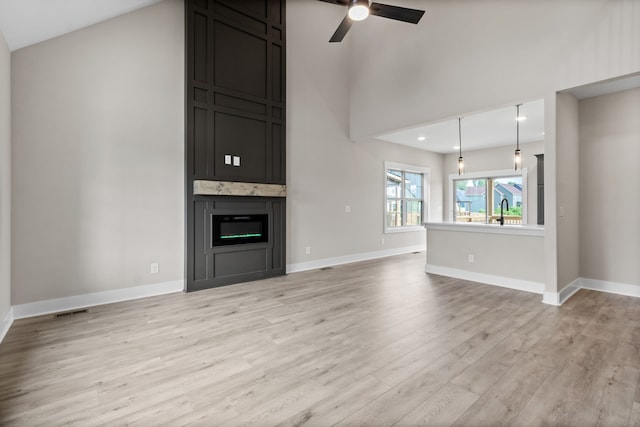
[(489, 201), (411, 182)]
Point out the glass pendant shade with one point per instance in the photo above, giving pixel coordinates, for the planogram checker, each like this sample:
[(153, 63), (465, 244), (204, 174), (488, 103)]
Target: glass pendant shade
[(460, 159)]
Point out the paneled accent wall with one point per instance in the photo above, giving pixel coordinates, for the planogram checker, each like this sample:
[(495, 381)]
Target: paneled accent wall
[(235, 112), (235, 90)]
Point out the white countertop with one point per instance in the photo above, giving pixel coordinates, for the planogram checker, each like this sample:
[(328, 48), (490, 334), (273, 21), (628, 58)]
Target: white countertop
[(478, 227)]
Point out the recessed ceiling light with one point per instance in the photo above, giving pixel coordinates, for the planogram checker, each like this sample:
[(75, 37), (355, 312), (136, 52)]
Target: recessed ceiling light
[(521, 118), (456, 147), (422, 138)]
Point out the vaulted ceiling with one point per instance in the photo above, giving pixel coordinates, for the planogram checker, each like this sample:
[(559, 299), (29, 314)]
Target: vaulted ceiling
[(26, 22)]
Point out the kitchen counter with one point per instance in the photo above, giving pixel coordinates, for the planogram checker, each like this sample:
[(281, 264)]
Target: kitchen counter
[(478, 227)]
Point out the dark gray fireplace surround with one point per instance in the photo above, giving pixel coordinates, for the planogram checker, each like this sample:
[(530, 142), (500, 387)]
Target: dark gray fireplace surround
[(235, 193), (214, 264)]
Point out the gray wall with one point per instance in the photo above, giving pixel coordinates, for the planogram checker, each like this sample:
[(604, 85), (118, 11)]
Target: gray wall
[(568, 183), (495, 254), (98, 136), (326, 171), (508, 52), (98, 161), (5, 179), (609, 177), (404, 75)]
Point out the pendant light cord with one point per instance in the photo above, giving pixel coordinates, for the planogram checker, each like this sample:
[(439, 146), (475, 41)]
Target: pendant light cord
[(460, 161), (460, 135), (518, 126)]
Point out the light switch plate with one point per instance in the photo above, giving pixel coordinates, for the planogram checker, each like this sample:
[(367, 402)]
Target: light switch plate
[(227, 159), (236, 160)]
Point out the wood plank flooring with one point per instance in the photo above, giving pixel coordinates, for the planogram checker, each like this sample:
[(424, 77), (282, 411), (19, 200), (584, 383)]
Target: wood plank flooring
[(376, 343)]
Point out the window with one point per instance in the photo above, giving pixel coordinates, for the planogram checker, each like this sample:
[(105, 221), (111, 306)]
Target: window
[(405, 195), (477, 197)]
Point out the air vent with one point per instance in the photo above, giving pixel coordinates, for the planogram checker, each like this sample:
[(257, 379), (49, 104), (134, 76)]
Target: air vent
[(70, 313)]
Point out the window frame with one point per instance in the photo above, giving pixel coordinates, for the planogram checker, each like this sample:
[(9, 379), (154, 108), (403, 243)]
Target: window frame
[(404, 168), (487, 175)]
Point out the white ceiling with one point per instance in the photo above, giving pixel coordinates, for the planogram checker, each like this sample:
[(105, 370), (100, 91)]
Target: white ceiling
[(497, 127), (482, 130), (26, 22), (606, 87)]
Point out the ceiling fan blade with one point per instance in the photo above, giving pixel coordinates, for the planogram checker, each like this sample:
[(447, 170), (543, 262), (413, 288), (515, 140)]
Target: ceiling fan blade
[(338, 2), (341, 31), (403, 14)]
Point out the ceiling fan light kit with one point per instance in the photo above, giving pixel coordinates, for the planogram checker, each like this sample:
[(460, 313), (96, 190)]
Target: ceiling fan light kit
[(359, 10)]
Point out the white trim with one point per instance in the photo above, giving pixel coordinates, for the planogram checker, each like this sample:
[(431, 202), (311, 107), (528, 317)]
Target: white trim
[(477, 227), (426, 205), (559, 298), (523, 173), (570, 290), (499, 173), (411, 228), (347, 259), (610, 287), (490, 279), (6, 323), (551, 298), (75, 302)]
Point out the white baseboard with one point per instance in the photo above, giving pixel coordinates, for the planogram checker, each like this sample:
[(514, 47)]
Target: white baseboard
[(364, 256), (551, 298), (490, 279), (5, 323), (610, 287), (559, 298), (76, 302)]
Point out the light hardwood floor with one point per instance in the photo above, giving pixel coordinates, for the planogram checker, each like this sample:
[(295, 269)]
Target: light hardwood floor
[(376, 343)]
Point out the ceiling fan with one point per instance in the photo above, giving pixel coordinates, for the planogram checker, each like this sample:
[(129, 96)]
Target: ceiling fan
[(360, 9)]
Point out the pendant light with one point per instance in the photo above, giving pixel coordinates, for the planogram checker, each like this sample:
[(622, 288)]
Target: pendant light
[(517, 157), (460, 159)]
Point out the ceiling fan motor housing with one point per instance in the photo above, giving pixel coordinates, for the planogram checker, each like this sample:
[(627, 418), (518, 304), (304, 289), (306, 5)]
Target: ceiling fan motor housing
[(361, 9)]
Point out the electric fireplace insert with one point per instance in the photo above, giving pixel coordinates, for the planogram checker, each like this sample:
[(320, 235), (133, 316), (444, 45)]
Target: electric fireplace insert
[(240, 229)]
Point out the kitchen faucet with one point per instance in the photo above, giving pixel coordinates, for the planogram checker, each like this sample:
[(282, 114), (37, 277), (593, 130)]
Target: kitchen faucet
[(501, 219)]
